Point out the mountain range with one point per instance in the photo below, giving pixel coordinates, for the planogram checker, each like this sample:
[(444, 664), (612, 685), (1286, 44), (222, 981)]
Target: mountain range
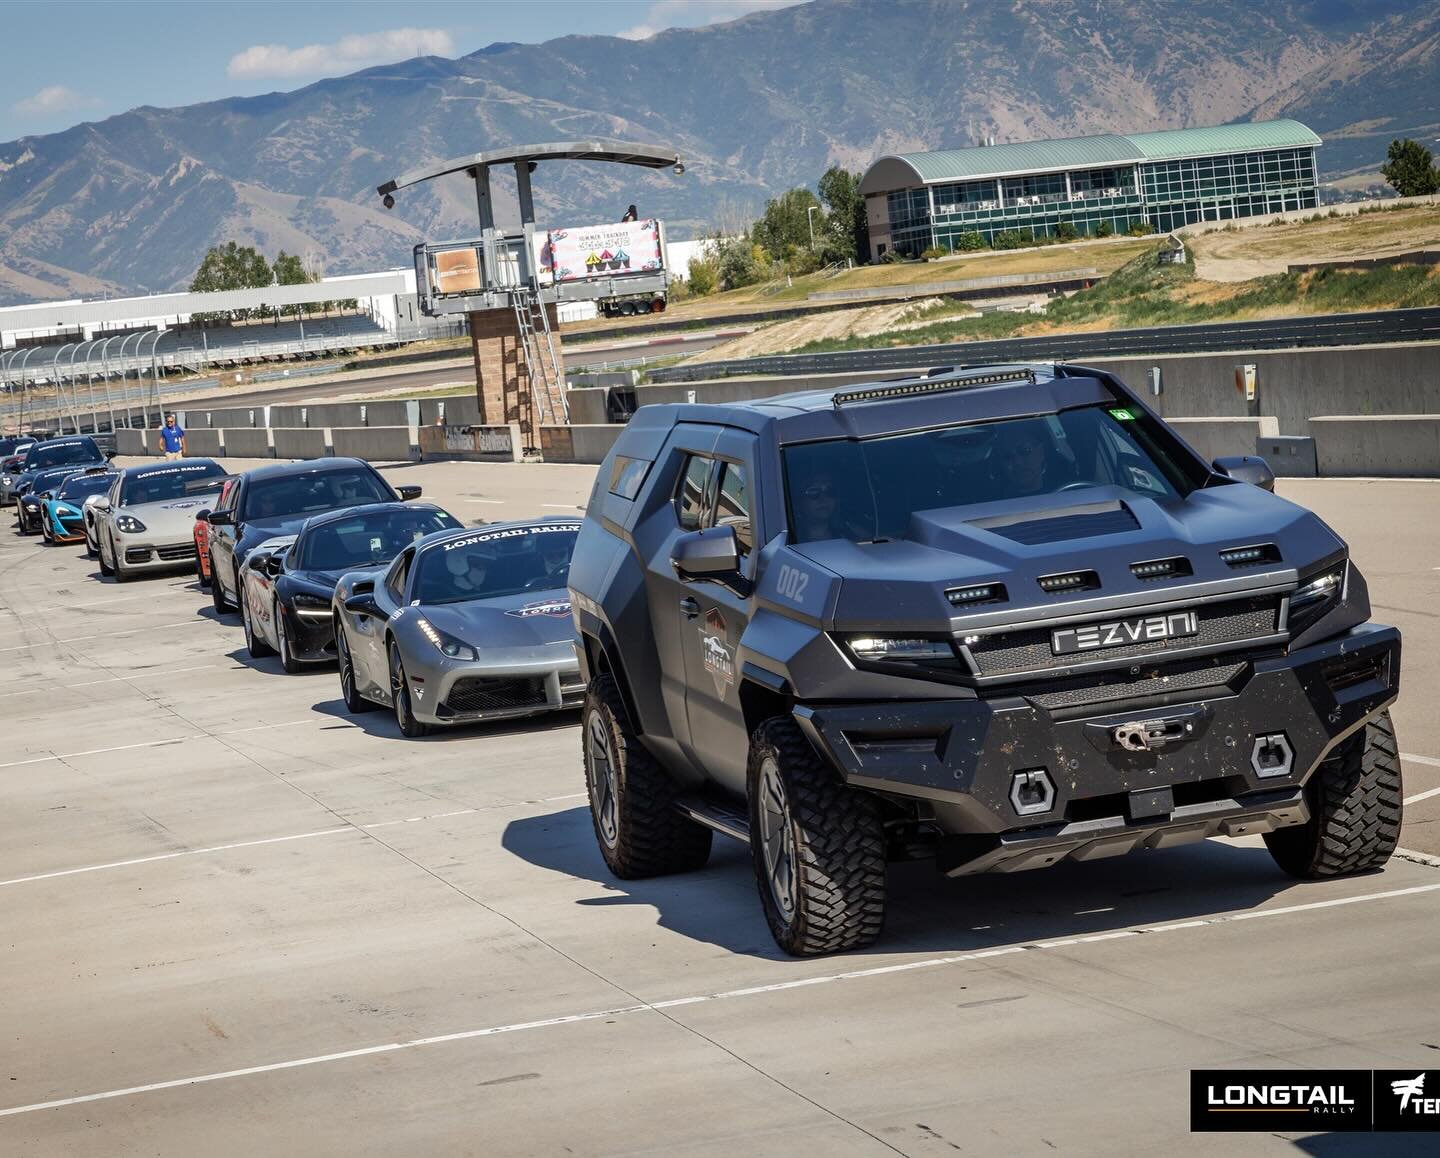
[(754, 106)]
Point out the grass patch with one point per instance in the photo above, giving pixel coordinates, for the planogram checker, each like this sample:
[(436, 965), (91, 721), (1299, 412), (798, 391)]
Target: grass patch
[(1147, 293)]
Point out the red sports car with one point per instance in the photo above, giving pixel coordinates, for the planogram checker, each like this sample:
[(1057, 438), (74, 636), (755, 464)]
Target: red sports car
[(202, 537)]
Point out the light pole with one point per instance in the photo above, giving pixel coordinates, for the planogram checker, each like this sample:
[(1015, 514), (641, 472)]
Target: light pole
[(810, 221)]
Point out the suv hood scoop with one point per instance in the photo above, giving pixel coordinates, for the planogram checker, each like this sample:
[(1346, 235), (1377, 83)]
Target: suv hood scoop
[(1062, 524)]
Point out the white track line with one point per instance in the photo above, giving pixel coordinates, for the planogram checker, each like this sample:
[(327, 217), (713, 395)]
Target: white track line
[(1419, 796), (157, 743), (723, 995), (114, 864), (114, 680), (491, 502), (105, 635), (1414, 759)]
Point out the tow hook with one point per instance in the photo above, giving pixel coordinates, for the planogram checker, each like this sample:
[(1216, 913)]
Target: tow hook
[(1146, 735)]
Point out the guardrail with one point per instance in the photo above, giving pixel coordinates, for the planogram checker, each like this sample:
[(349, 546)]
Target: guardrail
[(1415, 325)]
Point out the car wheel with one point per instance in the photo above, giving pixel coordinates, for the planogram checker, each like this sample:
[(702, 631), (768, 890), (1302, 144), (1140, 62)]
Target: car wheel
[(1356, 804), (90, 551), (117, 564), (24, 526), (217, 589), (400, 697), (282, 636), (105, 568), (355, 703), (632, 798), (200, 576), (256, 646), (818, 847)]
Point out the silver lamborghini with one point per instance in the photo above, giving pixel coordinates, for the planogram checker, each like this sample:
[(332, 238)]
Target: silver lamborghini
[(464, 626)]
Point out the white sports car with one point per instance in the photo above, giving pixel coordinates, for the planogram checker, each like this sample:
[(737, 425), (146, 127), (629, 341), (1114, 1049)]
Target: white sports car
[(146, 522)]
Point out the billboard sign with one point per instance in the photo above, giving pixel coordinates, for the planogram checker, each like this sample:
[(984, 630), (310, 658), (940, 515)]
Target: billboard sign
[(457, 271), (604, 250)]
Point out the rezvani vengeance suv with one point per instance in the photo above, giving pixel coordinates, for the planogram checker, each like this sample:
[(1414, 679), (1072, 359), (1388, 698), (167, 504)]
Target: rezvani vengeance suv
[(998, 616)]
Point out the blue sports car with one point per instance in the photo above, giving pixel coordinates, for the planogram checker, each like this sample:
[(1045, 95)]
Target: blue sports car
[(62, 515)]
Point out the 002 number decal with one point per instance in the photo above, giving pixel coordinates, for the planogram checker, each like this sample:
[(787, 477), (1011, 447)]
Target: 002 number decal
[(792, 583)]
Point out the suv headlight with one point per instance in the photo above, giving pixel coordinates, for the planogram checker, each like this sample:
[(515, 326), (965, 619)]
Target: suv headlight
[(1314, 597), (449, 646), (873, 649), (129, 525)]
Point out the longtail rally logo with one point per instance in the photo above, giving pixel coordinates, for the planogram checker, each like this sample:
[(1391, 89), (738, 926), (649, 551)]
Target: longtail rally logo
[(714, 645), (556, 608)]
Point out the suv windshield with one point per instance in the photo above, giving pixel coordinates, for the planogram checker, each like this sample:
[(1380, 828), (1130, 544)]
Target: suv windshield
[(312, 492), (78, 451), (488, 565), (165, 483), (368, 538), (78, 488), (845, 489)]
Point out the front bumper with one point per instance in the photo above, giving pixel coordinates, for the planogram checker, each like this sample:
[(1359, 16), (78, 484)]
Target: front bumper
[(1220, 768), (311, 634), (67, 528), (457, 692), (140, 553)]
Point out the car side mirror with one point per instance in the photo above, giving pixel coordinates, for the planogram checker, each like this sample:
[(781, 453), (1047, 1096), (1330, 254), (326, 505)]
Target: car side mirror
[(709, 554), (221, 519), (1247, 468), (109, 454), (203, 516), (362, 604), (102, 503), (408, 492)]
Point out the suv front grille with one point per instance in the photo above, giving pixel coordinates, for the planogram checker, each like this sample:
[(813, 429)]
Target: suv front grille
[(1028, 649), (477, 694), (1161, 683)]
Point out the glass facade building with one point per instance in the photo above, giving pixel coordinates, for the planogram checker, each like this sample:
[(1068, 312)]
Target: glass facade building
[(1110, 183)]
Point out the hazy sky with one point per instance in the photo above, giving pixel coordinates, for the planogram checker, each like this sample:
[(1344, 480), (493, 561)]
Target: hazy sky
[(68, 61)]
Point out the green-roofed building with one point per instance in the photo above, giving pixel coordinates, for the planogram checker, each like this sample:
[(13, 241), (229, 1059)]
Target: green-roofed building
[(1101, 184)]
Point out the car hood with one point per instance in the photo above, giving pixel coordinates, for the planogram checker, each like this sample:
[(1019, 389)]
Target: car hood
[(325, 582), (902, 583), (531, 617), (171, 517)]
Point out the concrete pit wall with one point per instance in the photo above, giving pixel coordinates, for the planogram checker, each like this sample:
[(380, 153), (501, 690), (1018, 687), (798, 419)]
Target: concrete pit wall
[(202, 442), (1214, 438), (583, 444), (291, 442), (247, 442), (376, 443), (1390, 446)]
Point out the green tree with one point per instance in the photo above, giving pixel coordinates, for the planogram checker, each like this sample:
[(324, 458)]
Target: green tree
[(704, 275), (846, 229), (1409, 169), (738, 263), (785, 225), (230, 267)]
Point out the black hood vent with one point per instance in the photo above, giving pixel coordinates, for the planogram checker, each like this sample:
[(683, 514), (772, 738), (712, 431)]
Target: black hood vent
[(1061, 525)]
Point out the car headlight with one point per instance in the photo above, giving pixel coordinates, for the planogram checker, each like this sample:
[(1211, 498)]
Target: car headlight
[(1315, 597), (449, 646), (873, 649), (311, 606), (129, 525)]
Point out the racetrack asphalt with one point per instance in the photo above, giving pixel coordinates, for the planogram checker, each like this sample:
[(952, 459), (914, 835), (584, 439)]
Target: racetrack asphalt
[(238, 920)]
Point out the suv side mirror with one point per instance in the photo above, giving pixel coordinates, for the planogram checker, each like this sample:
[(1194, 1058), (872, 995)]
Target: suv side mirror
[(1247, 468), (408, 492), (221, 519), (709, 554)]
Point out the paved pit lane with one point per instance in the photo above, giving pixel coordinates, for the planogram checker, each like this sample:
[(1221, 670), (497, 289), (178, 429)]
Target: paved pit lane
[(237, 921)]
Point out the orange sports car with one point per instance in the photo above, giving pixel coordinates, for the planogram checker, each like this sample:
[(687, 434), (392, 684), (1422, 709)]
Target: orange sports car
[(202, 537)]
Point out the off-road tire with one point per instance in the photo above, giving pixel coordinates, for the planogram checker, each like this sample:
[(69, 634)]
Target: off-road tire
[(410, 727), (1355, 800), (837, 844), (632, 804), (355, 703), (256, 646)]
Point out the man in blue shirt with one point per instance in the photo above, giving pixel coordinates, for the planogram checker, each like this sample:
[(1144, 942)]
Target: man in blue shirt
[(172, 438)]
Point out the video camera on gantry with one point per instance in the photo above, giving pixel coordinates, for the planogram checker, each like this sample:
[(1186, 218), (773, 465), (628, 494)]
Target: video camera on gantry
[(510, 283)]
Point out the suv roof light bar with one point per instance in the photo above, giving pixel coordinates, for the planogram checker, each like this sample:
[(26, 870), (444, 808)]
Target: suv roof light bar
[(930, 386)]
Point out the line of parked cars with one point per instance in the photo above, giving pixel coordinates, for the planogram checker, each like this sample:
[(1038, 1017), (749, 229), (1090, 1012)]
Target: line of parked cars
[(327, 563)]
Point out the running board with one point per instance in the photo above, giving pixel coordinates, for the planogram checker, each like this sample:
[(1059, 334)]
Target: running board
[(723, 820)]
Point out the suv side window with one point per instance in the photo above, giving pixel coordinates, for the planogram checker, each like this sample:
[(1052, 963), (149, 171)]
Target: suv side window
[(732, 506), (690, 493)]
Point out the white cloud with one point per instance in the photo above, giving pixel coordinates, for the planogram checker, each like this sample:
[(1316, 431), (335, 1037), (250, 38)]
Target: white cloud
[(347, 54), (665, 14), (52, 101)]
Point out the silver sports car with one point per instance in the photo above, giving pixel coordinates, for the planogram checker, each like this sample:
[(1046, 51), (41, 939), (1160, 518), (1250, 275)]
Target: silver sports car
[(465, 625), (147, 521)]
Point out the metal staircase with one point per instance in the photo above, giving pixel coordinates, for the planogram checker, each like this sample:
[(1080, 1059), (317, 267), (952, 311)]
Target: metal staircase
[(542, 365)]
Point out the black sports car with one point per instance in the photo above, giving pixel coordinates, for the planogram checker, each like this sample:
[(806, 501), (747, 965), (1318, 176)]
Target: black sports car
[(276, 500), (287, 582)]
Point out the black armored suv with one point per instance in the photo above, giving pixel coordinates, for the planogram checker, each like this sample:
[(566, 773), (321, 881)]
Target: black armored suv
[(997, 616)]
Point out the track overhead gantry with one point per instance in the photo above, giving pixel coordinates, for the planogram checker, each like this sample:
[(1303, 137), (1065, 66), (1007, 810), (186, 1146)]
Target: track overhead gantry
[(519, 372)]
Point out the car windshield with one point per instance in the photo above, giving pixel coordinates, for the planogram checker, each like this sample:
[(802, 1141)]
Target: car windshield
[(77, 450), (314, 491), (368, 538), (163, 484), (9, 446), (489, 564), (80, 487), (864, 490), (49, 480)]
